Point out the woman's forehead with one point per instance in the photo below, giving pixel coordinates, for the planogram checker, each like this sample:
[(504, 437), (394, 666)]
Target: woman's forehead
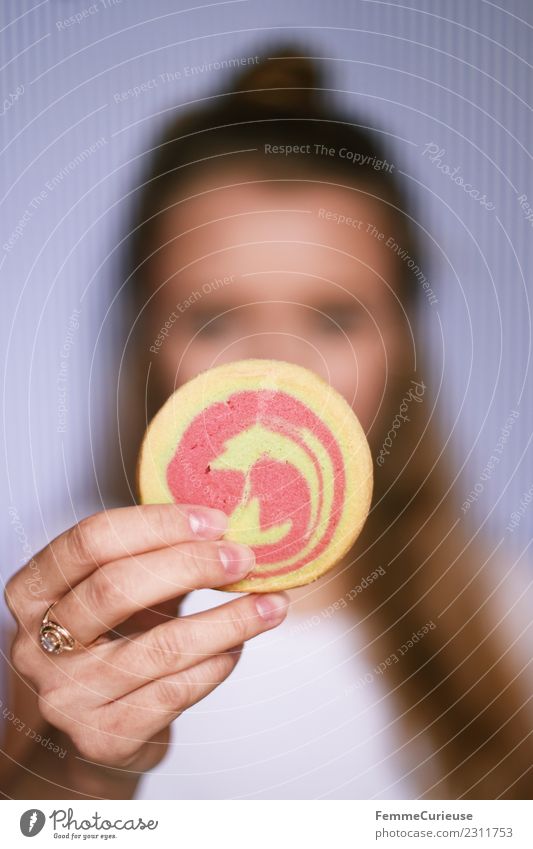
[(253, 227), (236, 193)]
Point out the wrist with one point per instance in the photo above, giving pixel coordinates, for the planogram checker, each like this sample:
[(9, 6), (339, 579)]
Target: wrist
[(86, 777), (96, 780)]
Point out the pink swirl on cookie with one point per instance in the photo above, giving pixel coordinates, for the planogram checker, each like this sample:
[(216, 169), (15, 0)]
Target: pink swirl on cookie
[(271, 463)]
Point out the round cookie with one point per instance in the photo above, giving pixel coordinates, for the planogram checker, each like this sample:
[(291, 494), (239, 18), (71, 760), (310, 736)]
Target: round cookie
[(279, 451)]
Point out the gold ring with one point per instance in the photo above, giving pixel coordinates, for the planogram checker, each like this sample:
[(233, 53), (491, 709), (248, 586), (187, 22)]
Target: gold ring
[(53, 637)]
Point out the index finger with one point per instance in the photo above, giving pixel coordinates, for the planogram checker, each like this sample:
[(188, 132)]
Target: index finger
[(121, 532)]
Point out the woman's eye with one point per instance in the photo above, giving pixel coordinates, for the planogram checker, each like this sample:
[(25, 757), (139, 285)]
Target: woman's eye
[(209, 323), (339, 319)]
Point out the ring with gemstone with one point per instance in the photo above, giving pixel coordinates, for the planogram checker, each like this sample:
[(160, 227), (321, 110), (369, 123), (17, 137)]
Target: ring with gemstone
[(53, 637)]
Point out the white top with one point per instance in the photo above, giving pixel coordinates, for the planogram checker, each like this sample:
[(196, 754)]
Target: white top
[(296, 719)]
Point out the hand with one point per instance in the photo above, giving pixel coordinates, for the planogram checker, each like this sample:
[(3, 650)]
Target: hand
[(116, 695)]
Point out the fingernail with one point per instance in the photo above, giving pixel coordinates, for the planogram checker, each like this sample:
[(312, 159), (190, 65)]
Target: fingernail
[(236, 559), (272, 607), (207, 522)]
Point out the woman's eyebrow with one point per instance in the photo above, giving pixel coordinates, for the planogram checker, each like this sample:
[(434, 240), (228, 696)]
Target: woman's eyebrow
[(340, 299)]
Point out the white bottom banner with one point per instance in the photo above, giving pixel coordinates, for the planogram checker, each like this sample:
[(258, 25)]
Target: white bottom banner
[(264, 824)]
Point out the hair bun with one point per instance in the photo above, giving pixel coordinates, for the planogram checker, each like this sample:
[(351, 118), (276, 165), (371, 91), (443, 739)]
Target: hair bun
[(288, 81)]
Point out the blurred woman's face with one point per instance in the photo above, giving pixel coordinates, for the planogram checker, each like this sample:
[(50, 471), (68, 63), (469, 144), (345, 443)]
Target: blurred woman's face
[(273, 270)]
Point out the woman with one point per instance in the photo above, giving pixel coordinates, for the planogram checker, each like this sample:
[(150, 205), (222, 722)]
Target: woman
[(270, 225)]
